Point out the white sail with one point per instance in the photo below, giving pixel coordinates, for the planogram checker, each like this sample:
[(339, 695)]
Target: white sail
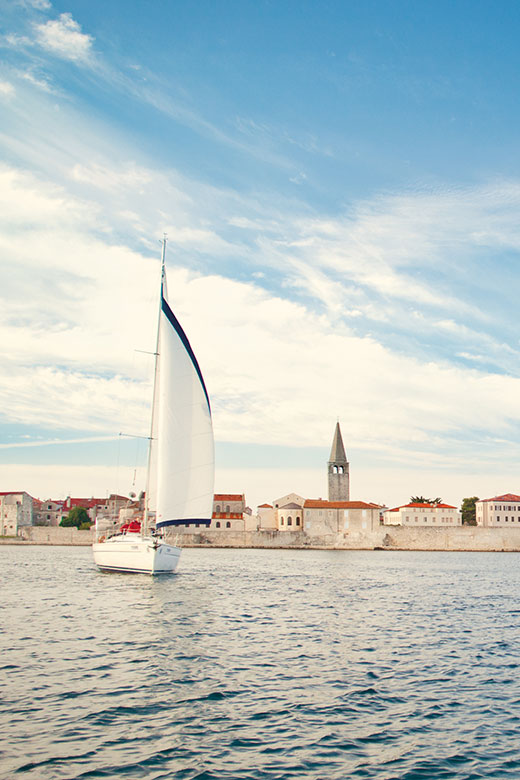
[(181, 490)]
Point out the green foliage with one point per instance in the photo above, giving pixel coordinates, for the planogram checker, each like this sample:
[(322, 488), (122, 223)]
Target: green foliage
[(76, 518), (468, 511), (423, 500)]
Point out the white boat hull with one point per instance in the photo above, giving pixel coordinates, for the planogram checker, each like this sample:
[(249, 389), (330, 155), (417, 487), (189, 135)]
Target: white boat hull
[(135, 555)]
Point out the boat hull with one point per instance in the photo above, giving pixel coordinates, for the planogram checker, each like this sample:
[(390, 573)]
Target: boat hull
[(128, 555)]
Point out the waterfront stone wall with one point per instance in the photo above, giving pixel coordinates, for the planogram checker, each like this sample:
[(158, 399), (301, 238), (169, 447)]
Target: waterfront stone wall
[(56, 535), (462, 538)]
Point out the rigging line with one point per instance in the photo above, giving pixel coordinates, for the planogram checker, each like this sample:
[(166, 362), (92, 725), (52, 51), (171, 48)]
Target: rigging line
[(117, 462)]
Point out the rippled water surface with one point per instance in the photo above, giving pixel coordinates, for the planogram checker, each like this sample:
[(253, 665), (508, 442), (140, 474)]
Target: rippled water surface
[(261, 664)]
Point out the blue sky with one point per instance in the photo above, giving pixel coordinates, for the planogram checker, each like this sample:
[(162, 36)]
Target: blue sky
[(340, 185)]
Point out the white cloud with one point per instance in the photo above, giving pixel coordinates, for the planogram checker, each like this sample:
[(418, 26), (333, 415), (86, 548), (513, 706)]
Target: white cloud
[(64, 38), (6, 88)]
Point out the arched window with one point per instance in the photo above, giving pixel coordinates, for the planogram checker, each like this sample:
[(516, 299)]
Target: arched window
[(217, 524), (289, 521), (228, 524), (227, 509), (297, 521), (281, 521), (340, 469), (217, 508)]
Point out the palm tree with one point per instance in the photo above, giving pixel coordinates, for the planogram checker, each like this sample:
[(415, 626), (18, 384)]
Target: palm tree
[(423, 500)]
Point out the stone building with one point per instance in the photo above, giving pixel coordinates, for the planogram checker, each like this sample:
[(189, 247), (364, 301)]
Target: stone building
[(338, 469), (332, 517), (499, 512), (423, 515), (48, 513), (16, 511)]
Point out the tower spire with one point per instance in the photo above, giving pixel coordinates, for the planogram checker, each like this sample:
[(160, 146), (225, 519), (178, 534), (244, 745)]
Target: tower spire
[(338, 469), (337, 452)]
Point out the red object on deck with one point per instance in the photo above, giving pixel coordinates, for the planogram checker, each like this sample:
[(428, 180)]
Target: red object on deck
[(131, 528)]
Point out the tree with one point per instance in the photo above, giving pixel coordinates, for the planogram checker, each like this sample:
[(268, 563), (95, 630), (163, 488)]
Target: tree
[(76, 518), (423, 500), (468, 511)]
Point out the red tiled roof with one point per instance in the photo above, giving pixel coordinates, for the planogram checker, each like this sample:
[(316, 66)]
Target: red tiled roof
[(311, 503), (265, 506), (505, 497), (228, 497), (88, 503), (423, 506)]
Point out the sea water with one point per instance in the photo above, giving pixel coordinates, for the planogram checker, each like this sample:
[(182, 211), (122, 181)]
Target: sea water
[(251, 664)]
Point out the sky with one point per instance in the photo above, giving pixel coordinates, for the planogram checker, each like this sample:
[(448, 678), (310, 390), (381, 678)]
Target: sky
[(339, 182)]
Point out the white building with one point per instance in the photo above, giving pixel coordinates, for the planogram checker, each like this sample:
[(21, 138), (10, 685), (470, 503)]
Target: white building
[(421, 515), (288, 512), (16, 511), (499, 512)]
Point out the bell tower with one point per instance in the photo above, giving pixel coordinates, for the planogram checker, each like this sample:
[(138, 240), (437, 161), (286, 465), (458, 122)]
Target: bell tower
[(338, 470)]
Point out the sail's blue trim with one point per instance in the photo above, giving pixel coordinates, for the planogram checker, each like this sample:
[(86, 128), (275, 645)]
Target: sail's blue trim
[(178, 328), (186, 521)]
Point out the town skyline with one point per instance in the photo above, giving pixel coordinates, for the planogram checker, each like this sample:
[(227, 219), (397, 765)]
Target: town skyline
[(340, 188)]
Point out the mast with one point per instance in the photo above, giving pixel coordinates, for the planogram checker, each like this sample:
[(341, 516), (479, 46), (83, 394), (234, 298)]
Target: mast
[(144, 529)]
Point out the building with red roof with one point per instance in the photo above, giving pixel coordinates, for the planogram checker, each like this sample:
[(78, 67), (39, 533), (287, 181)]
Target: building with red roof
[(498, 512), (423, 515)]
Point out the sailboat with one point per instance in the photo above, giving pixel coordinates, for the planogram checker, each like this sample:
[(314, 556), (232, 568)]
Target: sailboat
[(181, 463)]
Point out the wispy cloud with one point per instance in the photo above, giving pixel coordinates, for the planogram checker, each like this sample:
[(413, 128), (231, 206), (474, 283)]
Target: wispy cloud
[(52, 442)]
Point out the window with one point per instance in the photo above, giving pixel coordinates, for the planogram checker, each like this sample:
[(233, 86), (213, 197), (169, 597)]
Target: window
[(297, 521), (228, 524), (217, 524), (217, 508), (227, 509), (289, 521), (281, 521)]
